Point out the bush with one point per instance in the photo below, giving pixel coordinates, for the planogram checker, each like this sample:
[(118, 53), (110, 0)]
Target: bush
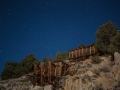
[(117, 85), (81, 70), (14, 70), (85, 79), (98, 87), (96, 71), (104, 69), (76, 77), (96, 60), (8, 71)]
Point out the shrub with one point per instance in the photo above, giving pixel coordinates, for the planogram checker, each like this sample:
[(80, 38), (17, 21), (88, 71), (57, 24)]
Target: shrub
[(14, 69), (96, 71), (98, 87), (89, 65), (104, 69), (82, 70), (117, 85), (96, 60), (85, 79), (76, 77)]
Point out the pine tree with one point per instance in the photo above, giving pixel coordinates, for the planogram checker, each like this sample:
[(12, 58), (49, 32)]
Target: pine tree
[(104, 34)]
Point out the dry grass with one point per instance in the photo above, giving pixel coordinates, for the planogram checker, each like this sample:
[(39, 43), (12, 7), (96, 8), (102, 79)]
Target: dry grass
[(76, 77), (96, 60)]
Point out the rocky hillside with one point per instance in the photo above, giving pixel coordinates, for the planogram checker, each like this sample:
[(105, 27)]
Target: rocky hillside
[(88, 76), (102, 76)]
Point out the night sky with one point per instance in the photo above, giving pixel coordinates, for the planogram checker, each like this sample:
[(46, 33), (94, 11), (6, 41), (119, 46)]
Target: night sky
[(44, 27)]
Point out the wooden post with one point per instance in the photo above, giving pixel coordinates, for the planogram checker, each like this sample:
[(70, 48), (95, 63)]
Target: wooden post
[(86, 53), (79, 51), (94, 49), (35, 80), (49, 70), (72, 53), (90, 50), (76, 52), (41, 74), (35, 69), (82, 50), (86, 50)]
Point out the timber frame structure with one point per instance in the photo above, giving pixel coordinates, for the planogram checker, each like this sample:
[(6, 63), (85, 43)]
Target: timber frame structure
[(82, 53), (50, 72)]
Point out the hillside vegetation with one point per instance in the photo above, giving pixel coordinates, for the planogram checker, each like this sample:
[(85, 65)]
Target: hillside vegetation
[(14, 69)]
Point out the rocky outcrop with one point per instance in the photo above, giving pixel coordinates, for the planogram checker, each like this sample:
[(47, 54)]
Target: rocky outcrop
[(103, 76), (117, 58), (88, 76), (116, 71), (21, 83)]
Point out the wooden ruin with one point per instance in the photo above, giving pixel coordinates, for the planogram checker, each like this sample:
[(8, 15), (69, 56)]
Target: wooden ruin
[(82, 53), (50, 72)]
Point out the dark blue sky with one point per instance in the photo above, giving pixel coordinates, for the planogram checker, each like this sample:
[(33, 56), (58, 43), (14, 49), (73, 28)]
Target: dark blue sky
[(44, 27)]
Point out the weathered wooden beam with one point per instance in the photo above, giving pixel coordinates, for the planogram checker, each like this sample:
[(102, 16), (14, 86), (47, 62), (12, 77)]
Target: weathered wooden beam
[(41, 73), (49, 71), (72, 54), (79, 51)]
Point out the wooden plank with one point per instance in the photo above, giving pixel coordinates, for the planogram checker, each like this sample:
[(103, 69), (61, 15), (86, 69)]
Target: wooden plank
[(72, 54), (41, 77), (49, 70)]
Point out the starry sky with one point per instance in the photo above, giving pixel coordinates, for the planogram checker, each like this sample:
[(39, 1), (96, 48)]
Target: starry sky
[(44, 27)]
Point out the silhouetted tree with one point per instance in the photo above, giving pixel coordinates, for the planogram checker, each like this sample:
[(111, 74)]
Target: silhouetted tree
[(58, 56), (115, 44), (8, 71), (47, 59), (13, 69), (81, 45), (61, 56), (104, 33), (28, 62), (65, 55)]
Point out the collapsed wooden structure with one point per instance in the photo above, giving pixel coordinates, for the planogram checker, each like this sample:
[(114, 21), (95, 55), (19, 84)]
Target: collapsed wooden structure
[(82, 53), (50, 72)]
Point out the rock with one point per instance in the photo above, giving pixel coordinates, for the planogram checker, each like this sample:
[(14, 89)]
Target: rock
[(2, 87), (61, 82), (89, 73), (116, 67), (38, 88), (117, 58), (48, 87)]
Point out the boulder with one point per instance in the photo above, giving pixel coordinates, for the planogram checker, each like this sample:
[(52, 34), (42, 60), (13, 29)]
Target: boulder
[(37, 88), (117, 58), (48, 87)]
